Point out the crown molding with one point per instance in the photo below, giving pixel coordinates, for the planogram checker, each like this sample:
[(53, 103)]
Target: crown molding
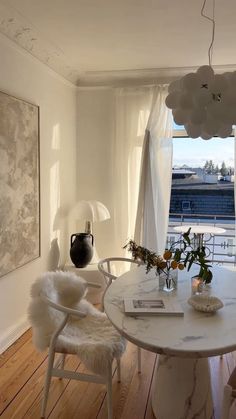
[(141, 76), (15, 27)]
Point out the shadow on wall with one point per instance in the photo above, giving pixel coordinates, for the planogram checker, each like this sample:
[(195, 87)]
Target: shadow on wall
[(54, 256)]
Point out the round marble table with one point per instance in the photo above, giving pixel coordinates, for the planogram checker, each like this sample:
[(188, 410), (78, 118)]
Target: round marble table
[(182, 388)]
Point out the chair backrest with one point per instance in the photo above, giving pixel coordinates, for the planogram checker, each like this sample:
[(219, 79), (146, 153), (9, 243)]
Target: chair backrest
[(108, 267), (64, 288)]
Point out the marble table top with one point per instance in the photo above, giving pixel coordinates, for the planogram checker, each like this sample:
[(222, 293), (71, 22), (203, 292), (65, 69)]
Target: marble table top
[(199, 229), (195, 335)]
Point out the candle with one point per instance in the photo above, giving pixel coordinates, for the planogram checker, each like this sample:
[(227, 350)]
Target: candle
[(196, 284)]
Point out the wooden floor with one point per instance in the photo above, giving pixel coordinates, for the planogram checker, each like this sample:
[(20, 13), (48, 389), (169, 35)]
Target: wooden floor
[(21, 383)]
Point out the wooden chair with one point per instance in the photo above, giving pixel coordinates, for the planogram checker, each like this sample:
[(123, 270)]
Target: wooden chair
[(68, 324), (105, 266), (229, 395)]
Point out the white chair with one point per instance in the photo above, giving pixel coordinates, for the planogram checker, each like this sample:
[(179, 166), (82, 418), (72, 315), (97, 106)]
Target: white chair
[(66, 323), (229, 395), (106, 267)]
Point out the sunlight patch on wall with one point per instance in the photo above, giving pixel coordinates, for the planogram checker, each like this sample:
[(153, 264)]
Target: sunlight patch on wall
[(56, 137), (54, 200)]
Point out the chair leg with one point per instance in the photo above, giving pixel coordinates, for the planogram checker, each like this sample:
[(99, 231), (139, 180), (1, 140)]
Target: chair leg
[(118, 370), (139, 360), (47, 382), (103, 295), (63, 358), (109, 391), (227, 401)]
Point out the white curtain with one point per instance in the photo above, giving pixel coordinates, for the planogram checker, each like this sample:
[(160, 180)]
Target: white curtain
[(156, 173), (137, 109), (132, 109)]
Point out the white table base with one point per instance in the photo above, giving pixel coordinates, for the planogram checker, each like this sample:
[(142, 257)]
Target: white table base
[(182, 389)]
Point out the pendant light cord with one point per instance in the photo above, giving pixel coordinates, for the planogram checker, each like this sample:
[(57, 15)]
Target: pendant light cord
[(212, 19)]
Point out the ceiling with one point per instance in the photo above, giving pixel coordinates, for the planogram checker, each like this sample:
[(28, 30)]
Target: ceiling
[(86, 39)]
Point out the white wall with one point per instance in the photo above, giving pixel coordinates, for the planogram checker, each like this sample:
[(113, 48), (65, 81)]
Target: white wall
[(24, 77), (95, 110)]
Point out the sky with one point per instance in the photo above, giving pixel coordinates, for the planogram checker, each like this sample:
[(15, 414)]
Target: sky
[(195, 152)]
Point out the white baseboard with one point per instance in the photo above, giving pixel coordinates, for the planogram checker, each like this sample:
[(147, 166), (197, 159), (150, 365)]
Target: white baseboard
[(13, 333)]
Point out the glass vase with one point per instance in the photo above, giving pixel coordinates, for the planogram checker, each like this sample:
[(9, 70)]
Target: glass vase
[(168, 280)]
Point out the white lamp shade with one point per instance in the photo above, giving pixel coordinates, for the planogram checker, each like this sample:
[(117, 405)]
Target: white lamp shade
[(204, 102), (91, 211)]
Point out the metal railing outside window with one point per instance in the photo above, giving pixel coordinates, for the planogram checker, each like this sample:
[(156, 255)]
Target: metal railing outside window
[(220, 249)]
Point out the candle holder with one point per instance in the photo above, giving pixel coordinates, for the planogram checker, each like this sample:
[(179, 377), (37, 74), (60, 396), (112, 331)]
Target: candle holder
[(197, 285)]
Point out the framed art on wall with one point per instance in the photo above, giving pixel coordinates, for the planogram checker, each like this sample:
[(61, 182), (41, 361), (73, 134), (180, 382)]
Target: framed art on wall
[(19, 183)]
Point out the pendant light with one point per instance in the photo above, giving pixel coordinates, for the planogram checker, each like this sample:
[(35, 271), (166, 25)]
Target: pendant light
[(204, 102)]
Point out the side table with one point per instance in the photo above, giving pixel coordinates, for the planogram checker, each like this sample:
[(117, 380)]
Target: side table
[(91, 274), (199, 231)]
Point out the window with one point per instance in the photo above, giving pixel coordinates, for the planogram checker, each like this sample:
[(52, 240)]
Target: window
[(186, 206), (203, 190)]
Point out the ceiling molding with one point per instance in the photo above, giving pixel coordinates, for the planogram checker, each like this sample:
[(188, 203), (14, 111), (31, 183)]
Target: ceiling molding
[(18, 29), (142, 76)]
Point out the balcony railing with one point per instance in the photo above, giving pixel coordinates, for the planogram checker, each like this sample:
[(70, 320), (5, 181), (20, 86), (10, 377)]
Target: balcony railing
[(220, 249)]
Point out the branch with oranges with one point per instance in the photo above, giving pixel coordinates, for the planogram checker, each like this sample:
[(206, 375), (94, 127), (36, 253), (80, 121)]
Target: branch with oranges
[(180, 257)]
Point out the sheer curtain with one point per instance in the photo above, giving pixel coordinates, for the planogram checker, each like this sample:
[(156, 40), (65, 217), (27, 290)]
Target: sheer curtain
[(156, 173), (132, 109), (136, 110)]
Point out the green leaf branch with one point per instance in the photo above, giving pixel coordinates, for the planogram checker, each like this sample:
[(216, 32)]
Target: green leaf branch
[(179, 255)]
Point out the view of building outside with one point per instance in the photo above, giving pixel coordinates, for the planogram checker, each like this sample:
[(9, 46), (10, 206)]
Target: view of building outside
[(203, 192)]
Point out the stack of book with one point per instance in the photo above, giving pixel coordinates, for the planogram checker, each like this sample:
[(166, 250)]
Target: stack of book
[(148, 306)]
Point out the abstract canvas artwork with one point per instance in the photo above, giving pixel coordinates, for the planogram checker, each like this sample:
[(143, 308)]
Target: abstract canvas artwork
[(19, 183)]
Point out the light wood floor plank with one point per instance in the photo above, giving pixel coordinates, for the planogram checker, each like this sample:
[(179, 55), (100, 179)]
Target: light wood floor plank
[(57, 389), (22, 378), (23, 400), (80, 399), (27, 404), (27, 336), (17, 371), (120, 390), (87, 399), (137, 397)]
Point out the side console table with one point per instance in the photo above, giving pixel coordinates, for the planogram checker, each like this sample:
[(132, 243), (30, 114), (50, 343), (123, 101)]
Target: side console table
[(91, 274)]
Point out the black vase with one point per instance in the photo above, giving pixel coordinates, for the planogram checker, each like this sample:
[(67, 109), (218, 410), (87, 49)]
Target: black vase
[(81, 249)]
